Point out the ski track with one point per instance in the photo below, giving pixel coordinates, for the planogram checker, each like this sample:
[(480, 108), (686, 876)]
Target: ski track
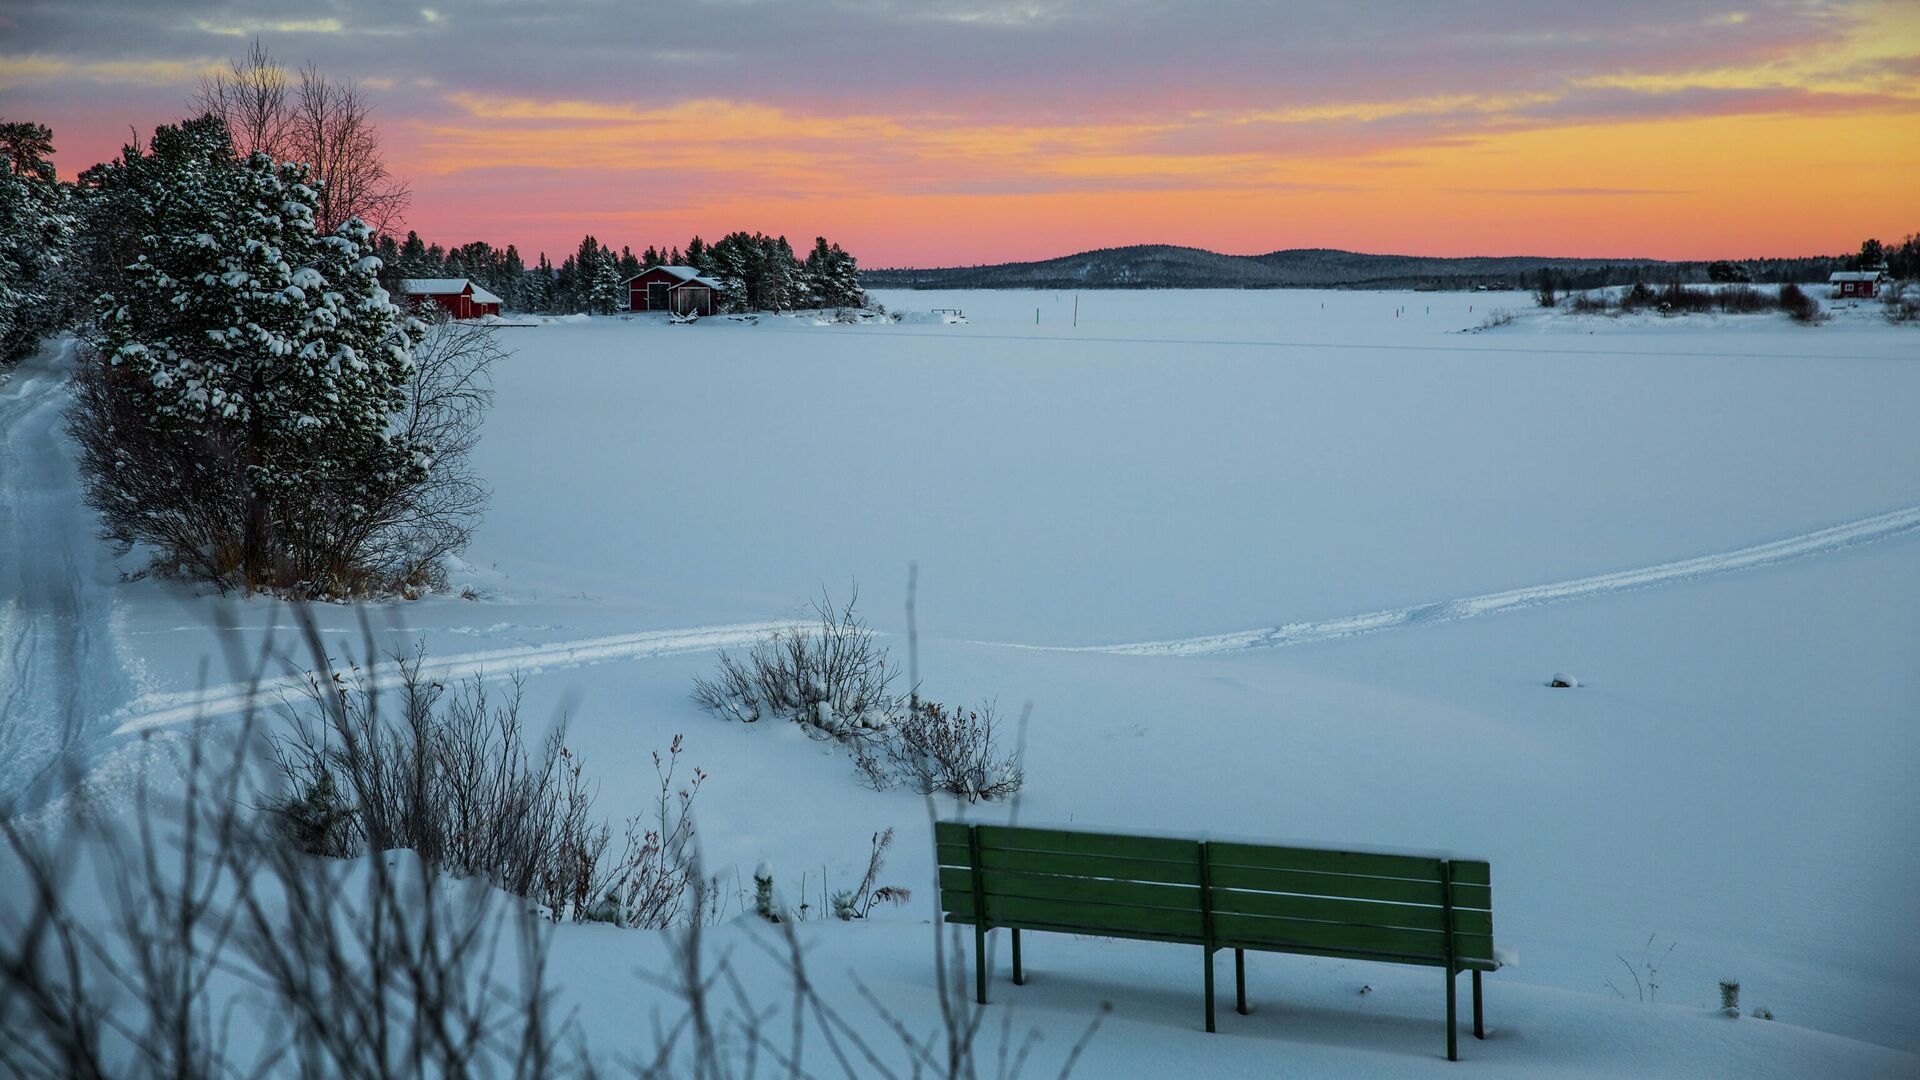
[(1818, 542), (160, 710)]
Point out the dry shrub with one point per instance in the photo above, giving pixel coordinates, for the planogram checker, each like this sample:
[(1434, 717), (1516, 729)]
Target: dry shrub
[(117, 929), (452, 780), (1744, 300), (1799, 306), (934, 749), (1901, 303), (831, 678)]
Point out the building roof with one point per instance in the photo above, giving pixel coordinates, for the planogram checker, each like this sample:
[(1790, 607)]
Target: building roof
[(434, 286), (482, 296), (687, 275), (1854, 275)]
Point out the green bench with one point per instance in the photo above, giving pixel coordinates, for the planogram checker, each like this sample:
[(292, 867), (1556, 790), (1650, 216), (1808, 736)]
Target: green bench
[(1428, 910)]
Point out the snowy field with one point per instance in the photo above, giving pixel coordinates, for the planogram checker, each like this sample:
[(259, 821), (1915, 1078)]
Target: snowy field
[(1283, 564)]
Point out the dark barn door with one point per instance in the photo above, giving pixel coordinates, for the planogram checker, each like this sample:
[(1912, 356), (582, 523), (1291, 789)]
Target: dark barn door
[(656, 296)]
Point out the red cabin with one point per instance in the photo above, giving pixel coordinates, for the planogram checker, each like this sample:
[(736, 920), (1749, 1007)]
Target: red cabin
[(1854, 284), (676, 289), (461, 298)]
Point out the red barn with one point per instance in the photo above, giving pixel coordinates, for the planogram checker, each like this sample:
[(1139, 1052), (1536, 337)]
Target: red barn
[(677, 289), (459, 296), (1854, 284)]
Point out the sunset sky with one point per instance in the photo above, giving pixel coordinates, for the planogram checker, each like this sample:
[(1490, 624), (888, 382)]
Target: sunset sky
[(981, 130)]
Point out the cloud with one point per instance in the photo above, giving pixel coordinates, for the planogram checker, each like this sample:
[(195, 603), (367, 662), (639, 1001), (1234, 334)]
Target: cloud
[(253, 27), (1263, 107)]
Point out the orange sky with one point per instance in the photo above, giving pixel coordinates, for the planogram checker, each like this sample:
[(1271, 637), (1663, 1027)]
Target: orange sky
[(1702, 131)]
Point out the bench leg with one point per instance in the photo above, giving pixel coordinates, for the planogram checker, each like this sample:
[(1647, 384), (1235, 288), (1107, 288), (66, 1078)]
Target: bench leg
[(1208, 953), (1240, 980), (1479, 1025), (980, 961), (1453, 1044), (1020, 976)]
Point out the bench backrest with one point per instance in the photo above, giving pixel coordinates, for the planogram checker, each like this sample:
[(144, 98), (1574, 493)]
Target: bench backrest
[(1405, 908)]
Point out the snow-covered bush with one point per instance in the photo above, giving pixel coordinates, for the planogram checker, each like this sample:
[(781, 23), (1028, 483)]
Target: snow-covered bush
[(1730, 996), (933, 748), (766, 900), (831, 677)]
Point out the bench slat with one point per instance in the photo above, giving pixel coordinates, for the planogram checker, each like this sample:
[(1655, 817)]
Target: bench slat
[(1412, 867), (1349, 886), (1090, 866), (1090, 890), (1253, 931), (1471, 872), (1011, 838), (1108, 932), (1083, 918), (1351, 912)]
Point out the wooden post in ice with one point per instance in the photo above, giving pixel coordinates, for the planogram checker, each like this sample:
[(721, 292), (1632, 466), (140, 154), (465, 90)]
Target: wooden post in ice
[(1076, 309)]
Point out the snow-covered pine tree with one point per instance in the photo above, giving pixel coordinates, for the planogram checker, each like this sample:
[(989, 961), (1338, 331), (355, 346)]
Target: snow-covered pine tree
[(513, 281), (697, 255), (782, 271), (537, 287), (413, 258), (36, 233), (246, 342), (730, 263), (842, 283), (606, 293)]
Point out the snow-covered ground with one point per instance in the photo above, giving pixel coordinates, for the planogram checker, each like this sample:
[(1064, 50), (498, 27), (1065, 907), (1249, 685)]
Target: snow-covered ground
[(1294, 564)]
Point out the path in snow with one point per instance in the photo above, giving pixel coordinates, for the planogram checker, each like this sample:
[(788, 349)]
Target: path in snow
[(60, 674), (1818, 542), (151, 711)]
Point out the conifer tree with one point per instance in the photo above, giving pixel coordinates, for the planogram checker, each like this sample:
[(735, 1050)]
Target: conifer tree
[(260, 360), (413, 258), (36, 235)]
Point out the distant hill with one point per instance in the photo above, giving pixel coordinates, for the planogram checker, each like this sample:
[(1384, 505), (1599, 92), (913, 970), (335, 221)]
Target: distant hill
[(1164, 266)]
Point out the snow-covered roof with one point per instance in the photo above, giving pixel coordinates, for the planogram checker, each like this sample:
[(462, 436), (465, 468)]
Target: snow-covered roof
[(482, 296), (434, 286), (688, 276), (1854, 275)]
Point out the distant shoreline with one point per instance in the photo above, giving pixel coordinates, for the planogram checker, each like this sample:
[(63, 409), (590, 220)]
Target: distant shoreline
[(1170, 267)]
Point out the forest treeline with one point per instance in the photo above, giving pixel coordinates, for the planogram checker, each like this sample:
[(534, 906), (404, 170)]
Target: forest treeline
[(754, 272)]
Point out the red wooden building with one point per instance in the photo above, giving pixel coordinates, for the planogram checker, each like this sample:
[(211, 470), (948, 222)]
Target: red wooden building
[(1854, 284), (459, 296), (677, 289)]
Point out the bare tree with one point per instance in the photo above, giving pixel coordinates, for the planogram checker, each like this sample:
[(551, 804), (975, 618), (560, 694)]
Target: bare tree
[(404, 539), (324, 124), (335, 136), (251, 96)]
